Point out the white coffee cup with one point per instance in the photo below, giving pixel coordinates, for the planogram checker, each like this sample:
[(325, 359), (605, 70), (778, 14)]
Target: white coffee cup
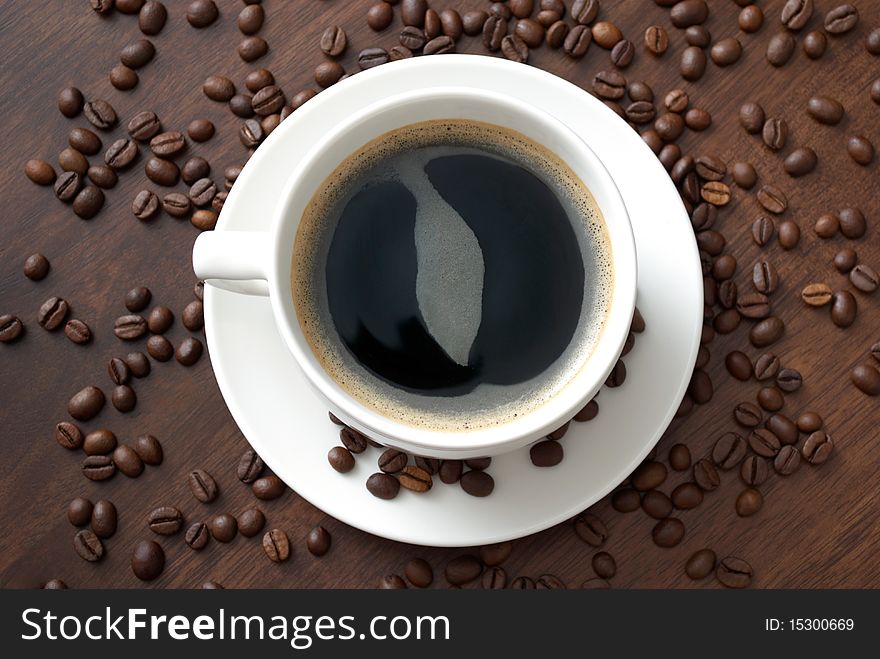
[(260, 262)]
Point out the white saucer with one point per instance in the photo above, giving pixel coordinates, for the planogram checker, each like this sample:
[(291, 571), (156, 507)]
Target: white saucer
[(287, 424)]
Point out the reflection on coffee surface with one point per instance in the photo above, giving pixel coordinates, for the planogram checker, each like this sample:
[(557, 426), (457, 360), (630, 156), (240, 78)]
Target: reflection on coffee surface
[(452, 275)]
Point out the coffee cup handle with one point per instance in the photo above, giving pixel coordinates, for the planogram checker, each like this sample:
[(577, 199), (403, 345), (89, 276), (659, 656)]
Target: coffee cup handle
[(236, 261)]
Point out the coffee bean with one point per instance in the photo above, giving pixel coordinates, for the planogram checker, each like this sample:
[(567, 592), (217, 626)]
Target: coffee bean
[(84, 141), (252, 48), (843, 308), (656, 40), (202, 485), (590, 529), (809, 422), (744, 175), (668, 532), (687, 496), (318, 541), (197, 536), (383, 486), (676, 101), (392, 582), (754, 470), (128, 6), (787, 460), (147, 559), (783, 427), (176, 204), (693, 63), (477, 483), (767, 332), (128, 461), (250, 466), (162, 172), (88, 546), (463, 569), (98, 467), (866, 377), (100, 114), (825, 110), (218, 88), (548, 453), (70, 102), (103, 518), (764, 277), (715, 193), (775, 133), (739, 365), (341, 459), (749, 502), (796, 13), (852, 223), (780, 48), (576, 42), (419, 573), (251, 522), (165, 520), (250, 19), (495, 554), (88, 202), (656, 504), (827, 225), (223, 527), (751, 117), (123, 398), (200, 130), (789, 235), (800, 162), (135, 55), (770, 399), (734, 572), (201, 13), (168, 144), (268, 488), (144, 125), (648, 476), (841, 19), (148, 449), (729, 450), (415, 479), (68, 435), (99, 442), (726, 51), (121, 154), (622, 53), (706, 475), (86, 403), (152, 17), (814, 44), (679, 457), (102, 176), (689, 12), (392, 461), (762, 230), (750, 19), (77, 331), (79, 511), (72, 160), (625, 500), (724, 267), (860, 149), (700, 564), (818, 447)]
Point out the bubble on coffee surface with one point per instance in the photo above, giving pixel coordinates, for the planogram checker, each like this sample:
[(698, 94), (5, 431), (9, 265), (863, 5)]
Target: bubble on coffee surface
[(423, 219)]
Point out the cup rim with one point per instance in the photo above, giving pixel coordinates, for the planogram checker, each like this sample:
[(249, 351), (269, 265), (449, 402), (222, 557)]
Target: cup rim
[(567, 402)]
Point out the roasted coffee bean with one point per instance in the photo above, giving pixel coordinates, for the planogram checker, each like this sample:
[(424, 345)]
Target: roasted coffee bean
[(250, 19), (202, 485), (734, 572), (258, 79), (676, 101), (700, 388), (130, 327), (689, 12), (669, 126), (679, 457), (383, 486), (99, 442), (800, 162), (622, 53), (193, 316), (866, 377), (415, 479), (706, 475), (687, 496), (392, 461), (136, 54), (668, 532), (250, 466), (149, 449), (166, 520), (787, 460), (79, 511), (477, 483), (729, 450), (176, 204), (494, 578), (77, 331), (576, 42), (252, 48), (121, 154), (88, 202), (84, 141), (392, 582), (450, 471), (123, 398), (200, 130), (701, 564), (789, 235), (268, 100), (168, 144), (775, 133), (202, 192), (762, 230), (656, 40), (693, 63), (606, 34), (750, 19), (102, 176), (864, 278), (825, 110), (218, 88), (789, 379), (52, 313), (70, 102), (548, 453), (162, 172), (100, 114), (724, 267), (495, 554), (860, 149), (656, 504), (710, 168), (764, 277), (88, 546), (783, 427), (197, 536), (268, 488), (818, 447), (715, 193), (766, 367), (86, 403), (754, 470), (549, 582), (625, 500), (68, 435), (318, 541), (697, 119), (98, 467), (751, 117), (809, 422), (251, 522), (463, 569), (201, 13), (194, 169), (767, 332), (726, 51), (780, 48), (419, 572), (72, 160), (152, 17), (532, 34), (841, 19), (40, 172), (796, 13), (669, 155), (473, 21), (440, 45), (852, 223), (223, 527), (147, 558), (144, 125), (610, 85), (353, 440), (814, 44), (844, 308), (604, 565), (749, 502), (590, 529), (770, 399), (341, 459)]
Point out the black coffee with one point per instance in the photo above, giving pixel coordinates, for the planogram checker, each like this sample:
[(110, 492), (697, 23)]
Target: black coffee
[(452, 275)]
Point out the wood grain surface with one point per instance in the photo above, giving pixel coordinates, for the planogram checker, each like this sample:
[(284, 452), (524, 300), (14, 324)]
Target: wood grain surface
[(818, 528)]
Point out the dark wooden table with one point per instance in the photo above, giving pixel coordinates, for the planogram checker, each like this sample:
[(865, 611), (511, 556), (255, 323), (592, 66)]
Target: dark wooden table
[(818, 527)]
